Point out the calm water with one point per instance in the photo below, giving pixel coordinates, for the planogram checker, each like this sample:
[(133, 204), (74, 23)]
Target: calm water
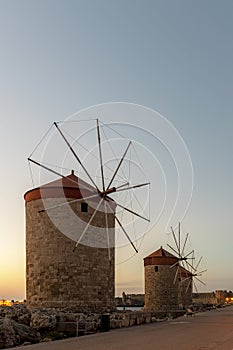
[(132, 308)]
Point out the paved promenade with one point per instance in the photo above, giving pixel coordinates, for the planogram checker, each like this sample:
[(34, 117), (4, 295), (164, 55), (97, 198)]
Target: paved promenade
[(209, 330)]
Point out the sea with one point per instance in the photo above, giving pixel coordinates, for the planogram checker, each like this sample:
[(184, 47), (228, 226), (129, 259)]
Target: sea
[(130, 308)]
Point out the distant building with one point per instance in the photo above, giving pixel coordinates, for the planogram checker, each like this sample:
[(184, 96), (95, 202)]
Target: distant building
[(205, 299), (219, 297), (134, 299), (130, 300), (118, 301)]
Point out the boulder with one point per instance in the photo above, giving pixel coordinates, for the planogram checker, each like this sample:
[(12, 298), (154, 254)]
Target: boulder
[(21, 314), (7, 311), (17, 312), (25, 334), (7, 334), (43, 320)]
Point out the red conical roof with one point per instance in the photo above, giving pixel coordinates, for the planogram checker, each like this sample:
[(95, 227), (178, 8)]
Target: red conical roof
[(160, 257), (69, 187)]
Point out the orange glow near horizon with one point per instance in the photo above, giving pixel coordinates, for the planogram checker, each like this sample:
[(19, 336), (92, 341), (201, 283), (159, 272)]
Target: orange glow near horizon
[(5, 303), (229, 300), (12, 285)]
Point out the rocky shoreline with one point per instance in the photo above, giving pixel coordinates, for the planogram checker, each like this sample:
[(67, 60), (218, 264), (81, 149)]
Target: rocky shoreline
[(20, 326)]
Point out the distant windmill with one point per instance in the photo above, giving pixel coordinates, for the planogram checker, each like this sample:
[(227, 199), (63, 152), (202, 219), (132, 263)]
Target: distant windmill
[(188, 273)]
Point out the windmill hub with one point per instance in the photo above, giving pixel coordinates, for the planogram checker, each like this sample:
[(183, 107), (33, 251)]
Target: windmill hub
[(108, 191)]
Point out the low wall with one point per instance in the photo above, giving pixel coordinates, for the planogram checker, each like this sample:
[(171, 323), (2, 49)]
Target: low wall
[(81, 324)]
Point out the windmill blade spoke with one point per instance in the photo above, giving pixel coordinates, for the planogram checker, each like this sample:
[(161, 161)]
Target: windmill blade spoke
[(88, 224), (126, 234), (198, 263), (179, 238), (195, 286), (176, 275), (125, 184), (186, 238), (187, 272), (183, 263), (172, 249), (186, 256), (200, 281), (90, 153), (46, 168), (131, 187), (199, 273), (107, 230), (100, 154), (185, 279), (132, 212), (75, 155), (41, 140), (191, 266), (118, 167), (58, 174), (55, 172), (138, 202), (176, 243), (190, 281), (176, 263), (31, 174), (68, 202), (193, 257)]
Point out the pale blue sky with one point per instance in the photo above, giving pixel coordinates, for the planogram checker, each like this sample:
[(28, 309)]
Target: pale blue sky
[(173, 56)]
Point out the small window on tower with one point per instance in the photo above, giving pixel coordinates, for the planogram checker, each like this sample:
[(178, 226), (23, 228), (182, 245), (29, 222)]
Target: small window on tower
[(156, 268), (84, 207)]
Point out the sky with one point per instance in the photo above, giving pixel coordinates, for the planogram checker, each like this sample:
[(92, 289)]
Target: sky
[(174, 57)]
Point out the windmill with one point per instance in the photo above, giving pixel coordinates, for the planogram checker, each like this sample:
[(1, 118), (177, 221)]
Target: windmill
[(187, 272), (103, 193), (89, 208)]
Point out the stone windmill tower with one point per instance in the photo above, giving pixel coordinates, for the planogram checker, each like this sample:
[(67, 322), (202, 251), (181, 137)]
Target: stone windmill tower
[(70, 234), (161, 293), (185, 286), (57, 276)]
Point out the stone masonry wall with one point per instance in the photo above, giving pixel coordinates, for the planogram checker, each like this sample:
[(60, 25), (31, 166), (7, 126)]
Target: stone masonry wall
[(56, 276), (185, 293), (205, 298), (161, 293)]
